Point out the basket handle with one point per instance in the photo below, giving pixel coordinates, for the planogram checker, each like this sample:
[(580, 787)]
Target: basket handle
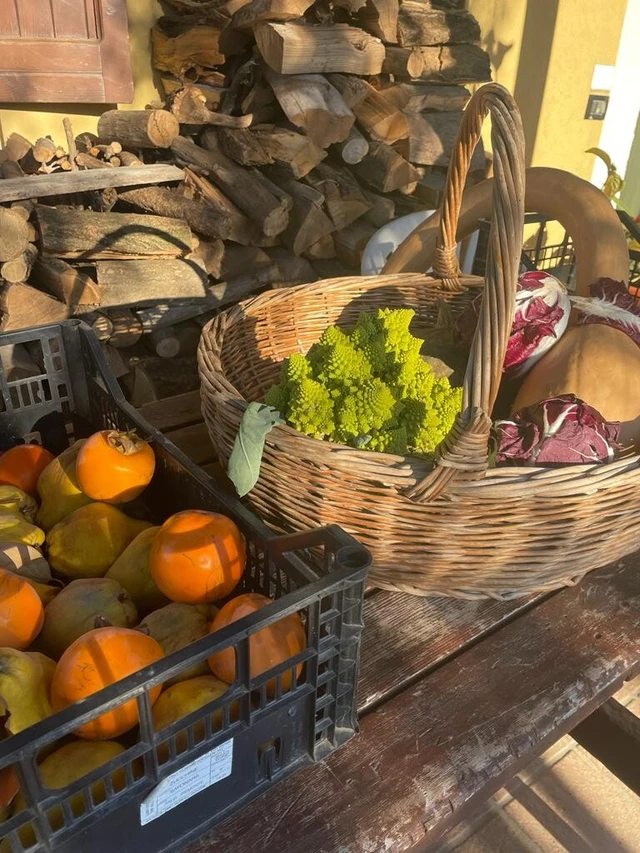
[(464, 452)]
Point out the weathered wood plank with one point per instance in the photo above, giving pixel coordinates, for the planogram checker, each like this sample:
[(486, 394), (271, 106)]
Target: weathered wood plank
[(195, 442), (174, 412), (612, 735), (450, 740), (63, 183)]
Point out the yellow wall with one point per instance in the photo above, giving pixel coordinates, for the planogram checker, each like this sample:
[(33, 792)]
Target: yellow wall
[(544, 52), (33, 122)]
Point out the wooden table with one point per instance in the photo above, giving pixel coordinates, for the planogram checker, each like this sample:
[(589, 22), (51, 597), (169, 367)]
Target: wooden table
[(455, 698)]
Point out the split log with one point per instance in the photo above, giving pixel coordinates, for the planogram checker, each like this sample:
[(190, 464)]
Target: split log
[(251, 231), (380, 17), (17, 363), (432, 138), (163, 342), (295, 48), (197, 48), (14, 235), (354, 148), (213, 94), (129, 159), (350, 243), (382, 210), (66, 183), (23, 306), (417, 97), (310, 102), (211, 254), (344, 200), (269, 10), (90, 235), (239, 184), (11, 169), (71, 142), (353, 89), (189, 106), (222, 221), (259, 101), (242, 146), (294, 150), (385, 170), (378, 112), (64, 282), (323, 249), (136, 282), (88, 161), (308, 221), (101, 325), (16, 147), (454, 63), (23, 209), (139, 128), (418, 24), (126, 328), (44, 150), (239, 260), (164, 314), (19, 268)]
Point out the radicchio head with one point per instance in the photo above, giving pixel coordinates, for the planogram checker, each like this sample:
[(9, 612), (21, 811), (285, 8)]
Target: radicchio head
[(562, 430), (611, 304)]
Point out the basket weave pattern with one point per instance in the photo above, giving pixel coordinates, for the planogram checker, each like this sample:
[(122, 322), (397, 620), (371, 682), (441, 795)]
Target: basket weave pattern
[(458, 529)]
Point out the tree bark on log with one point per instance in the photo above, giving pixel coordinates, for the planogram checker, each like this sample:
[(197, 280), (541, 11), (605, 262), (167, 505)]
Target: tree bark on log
[(139, 128), (268, 10), (385, 170), (454, 63), (344, 200), (419, 25), (308, 222), (64, 282)]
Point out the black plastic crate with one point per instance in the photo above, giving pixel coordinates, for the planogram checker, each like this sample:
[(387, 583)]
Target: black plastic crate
[(249, 738)]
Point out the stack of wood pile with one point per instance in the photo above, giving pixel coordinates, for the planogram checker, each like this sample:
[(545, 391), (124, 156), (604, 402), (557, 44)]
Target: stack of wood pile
[(290, 132)]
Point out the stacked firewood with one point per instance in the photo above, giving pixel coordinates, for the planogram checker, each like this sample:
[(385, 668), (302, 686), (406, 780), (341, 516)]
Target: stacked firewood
[(290, 132)]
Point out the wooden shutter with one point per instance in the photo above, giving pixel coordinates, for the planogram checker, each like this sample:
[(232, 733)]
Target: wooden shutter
[(65, 51)]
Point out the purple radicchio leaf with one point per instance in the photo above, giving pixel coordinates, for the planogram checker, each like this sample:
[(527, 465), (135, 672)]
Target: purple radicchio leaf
[(612, 305), (541, 317), (562, 430)]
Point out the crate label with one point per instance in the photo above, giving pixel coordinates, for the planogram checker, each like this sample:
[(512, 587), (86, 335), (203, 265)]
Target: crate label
[(187, 782)]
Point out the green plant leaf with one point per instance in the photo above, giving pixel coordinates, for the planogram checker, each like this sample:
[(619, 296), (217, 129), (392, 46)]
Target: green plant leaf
[(246, 456)]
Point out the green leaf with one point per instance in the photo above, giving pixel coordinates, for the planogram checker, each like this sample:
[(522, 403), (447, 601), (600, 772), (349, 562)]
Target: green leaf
[(246, 457)]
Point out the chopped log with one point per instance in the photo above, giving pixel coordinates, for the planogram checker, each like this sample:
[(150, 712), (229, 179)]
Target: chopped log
[(197, 48), (23, 209), (353, 90), (44, 150), (418, 24), (295, 48), (16, 147), (23, 306), (189, 106), (211, 254), (86, 141), (88, 161), (71, 142), (163, 342), (269, 10), (454, 63), (308, 221), (239, 260), (129, 159), (213, 94), (350, 243), (14, 235), (323, 249), (17, 363), (66, 183), (380, 17), (11, 169), (383, 209), (66, 283), (290, 148), (238, 184), (90, 235), (382, 118), (139, 128), (221, 221), (105, 200), (32, 233), (417, 97), (126, 328), (352, 6), (354, 148), (19, 268), (259, 101), (432, 138), (344, 200), (310, 102), (246, 232), (101, 325), (139, 282), (385, 170), (242, 146), (165, 314)]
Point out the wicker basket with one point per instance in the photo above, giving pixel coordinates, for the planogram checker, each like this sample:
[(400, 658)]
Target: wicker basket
[(458, 529)]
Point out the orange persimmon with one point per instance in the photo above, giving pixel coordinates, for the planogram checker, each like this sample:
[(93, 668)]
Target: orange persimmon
[(21, 611), (197, 557), (22, 465), (98, 659), (114, 467), (267, 648)]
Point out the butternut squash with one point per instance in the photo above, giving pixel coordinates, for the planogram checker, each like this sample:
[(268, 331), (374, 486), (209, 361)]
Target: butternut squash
[(597, 363)]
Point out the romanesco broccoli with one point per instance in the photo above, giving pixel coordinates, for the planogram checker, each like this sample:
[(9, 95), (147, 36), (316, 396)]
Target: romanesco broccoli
[(368, 388)]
